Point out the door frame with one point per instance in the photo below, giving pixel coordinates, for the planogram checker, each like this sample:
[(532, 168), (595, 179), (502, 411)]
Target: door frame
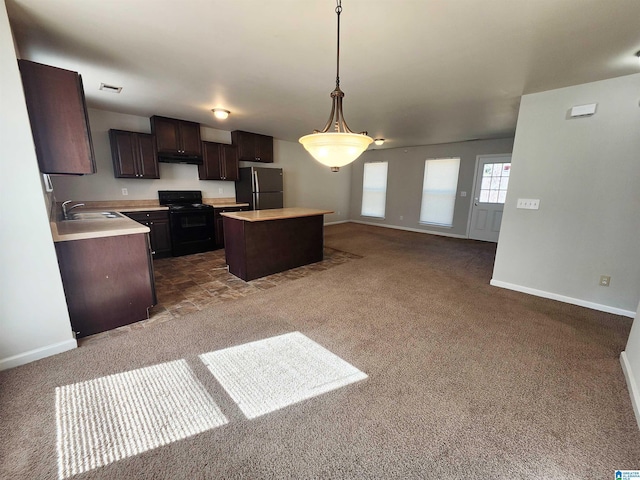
[(475, 181)]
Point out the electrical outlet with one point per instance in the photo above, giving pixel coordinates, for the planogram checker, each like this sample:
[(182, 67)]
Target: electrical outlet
[(125, 191), (605, 280), (220, 190), (401, 217)]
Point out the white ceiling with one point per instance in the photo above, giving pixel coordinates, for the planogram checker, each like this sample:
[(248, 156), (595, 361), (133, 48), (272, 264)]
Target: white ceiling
[(413, 71)]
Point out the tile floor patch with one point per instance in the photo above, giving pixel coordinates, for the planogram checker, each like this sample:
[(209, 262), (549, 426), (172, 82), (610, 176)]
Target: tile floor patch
[(191, 283), (270, 374), (107, 419)]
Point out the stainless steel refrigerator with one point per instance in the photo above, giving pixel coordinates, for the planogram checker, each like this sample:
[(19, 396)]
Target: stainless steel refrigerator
[(260, 187)]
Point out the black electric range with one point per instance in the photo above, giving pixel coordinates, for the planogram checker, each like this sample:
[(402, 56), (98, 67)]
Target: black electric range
[(191, 222)]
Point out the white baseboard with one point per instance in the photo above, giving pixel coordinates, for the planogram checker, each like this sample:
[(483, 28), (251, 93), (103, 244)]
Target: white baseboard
[(417, 230), (336, 223), (562, 298), (631, 385), (37, 354)]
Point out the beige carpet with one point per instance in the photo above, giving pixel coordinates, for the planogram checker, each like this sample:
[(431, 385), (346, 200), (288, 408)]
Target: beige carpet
[(464, 380)]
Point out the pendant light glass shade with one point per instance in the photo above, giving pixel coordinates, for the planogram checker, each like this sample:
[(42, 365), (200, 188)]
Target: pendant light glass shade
[(340, 146), (335, 149)]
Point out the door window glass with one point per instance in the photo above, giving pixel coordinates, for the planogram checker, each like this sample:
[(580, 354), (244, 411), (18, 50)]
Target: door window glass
[(495, 181)]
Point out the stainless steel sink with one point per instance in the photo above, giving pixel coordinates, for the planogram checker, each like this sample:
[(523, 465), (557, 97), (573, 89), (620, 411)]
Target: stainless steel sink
[(94, 215)]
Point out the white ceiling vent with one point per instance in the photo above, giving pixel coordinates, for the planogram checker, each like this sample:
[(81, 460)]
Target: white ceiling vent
[(110, 88)]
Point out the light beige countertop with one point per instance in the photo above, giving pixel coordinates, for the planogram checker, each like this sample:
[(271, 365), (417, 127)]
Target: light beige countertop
[(224, 205), (275, 214), (66, 230), (140, 209), (149, 205)]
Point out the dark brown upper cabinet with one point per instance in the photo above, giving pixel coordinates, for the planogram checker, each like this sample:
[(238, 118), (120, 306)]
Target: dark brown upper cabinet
[(253, 147), (133, 155), (176, 137), (59, 120), (219, 162)]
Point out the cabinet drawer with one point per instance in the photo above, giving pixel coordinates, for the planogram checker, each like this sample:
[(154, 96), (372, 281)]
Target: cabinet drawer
[(148, 216)]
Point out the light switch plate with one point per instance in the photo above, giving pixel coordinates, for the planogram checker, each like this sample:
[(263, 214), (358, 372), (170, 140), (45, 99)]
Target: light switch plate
[(48, 186), (529, 203)]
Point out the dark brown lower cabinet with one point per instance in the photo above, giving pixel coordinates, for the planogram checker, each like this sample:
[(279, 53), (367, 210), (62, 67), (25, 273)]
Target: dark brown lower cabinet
[(160, 234), (108, 281), (219, 230)]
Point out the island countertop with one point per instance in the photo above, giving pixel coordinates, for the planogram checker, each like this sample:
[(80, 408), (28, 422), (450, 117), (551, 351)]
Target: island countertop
[(275, 214)]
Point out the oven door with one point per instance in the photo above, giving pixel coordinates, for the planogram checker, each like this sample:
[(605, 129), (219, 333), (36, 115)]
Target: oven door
[(192, 231)]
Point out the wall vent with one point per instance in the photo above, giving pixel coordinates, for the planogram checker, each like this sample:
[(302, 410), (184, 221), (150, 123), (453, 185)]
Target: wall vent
[(583, 110), (110, 88)]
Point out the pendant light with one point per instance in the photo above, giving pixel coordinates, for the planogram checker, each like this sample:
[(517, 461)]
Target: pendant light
[(341, 146)]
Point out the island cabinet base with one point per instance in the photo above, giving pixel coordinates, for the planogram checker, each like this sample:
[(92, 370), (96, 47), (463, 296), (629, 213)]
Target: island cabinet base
[(108, 281), (258, 249)]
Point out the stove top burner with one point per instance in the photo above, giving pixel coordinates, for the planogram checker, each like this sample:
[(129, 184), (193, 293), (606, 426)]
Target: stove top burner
[(188, 206)]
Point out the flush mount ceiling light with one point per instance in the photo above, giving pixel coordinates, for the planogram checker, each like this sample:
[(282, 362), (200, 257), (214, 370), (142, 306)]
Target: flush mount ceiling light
[(221, 113), (341, 146), (379, 141)]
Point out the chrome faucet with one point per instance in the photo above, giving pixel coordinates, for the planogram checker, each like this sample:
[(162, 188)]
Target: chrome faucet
[(65, 210)]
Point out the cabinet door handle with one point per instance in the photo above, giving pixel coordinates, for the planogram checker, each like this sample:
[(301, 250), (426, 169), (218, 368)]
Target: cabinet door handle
[(150, 223)]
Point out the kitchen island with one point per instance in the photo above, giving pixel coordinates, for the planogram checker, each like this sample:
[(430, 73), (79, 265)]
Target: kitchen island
[(263, 242)]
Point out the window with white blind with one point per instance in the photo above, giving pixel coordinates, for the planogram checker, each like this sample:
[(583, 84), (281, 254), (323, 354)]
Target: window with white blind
[(374, 189), (439, 191)]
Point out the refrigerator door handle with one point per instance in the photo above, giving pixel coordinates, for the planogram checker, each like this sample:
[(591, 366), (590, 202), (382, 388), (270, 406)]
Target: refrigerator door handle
[(255, 178), (256, 201)]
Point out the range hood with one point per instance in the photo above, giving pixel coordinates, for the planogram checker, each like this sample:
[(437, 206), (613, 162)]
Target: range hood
[(177, 158)]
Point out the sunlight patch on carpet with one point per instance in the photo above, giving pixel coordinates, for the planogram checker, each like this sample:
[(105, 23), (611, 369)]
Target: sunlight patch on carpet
[(273, 373), (107, 419)]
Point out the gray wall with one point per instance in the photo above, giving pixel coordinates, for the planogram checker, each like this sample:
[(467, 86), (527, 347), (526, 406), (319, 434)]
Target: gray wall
[(404, 182), (586, 173), (33, 312), (307, 183), (310, 184)]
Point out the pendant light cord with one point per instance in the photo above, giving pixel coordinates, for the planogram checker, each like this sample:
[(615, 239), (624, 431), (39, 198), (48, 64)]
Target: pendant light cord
[(338, 12)]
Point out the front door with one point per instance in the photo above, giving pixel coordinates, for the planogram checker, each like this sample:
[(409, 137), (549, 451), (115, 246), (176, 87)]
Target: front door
[(489, 193)]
